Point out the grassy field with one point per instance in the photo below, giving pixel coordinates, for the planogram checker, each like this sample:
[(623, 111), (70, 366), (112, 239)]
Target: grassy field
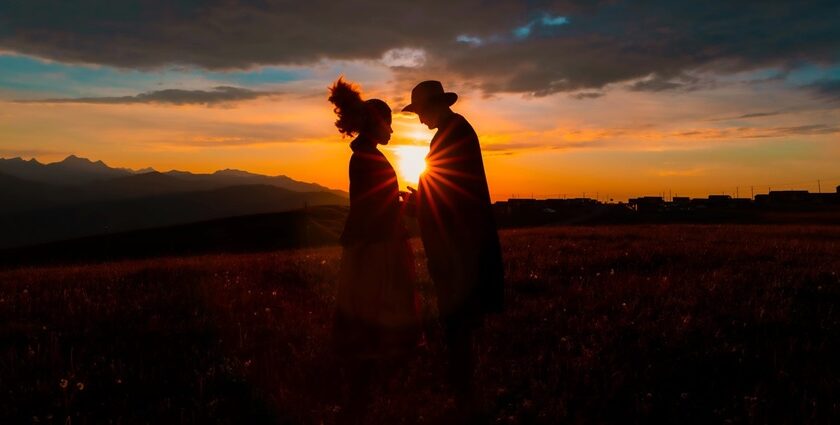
[(611, 324)]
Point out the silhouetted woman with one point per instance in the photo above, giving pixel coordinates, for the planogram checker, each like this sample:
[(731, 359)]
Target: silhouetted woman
[(376, 318)]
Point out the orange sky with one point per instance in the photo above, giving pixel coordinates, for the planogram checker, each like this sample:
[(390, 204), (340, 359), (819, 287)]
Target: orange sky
[(612, 99), (620, 145)]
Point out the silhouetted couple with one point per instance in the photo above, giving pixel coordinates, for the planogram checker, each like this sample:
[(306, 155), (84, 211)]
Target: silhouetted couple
[(377, 318)]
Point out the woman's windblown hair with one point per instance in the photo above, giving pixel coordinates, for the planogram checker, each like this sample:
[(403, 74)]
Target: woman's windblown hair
[(349, 106)]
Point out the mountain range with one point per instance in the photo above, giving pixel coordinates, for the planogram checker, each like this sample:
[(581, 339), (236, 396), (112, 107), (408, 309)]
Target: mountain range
[(78, 197)]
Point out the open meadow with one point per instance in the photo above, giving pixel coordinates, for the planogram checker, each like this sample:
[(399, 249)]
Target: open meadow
[(610, 324)]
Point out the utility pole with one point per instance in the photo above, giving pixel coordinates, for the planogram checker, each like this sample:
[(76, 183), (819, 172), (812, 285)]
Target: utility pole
[(819, 188), (752, 193), (736, 192)]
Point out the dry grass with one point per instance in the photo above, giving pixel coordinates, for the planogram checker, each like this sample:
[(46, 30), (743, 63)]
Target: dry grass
[(633, 324)]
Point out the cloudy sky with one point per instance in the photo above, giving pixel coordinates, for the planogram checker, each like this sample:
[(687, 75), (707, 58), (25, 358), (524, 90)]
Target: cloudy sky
[(613, 98)]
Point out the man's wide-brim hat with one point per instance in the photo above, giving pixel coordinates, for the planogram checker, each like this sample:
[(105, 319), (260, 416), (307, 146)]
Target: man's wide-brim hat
[(429, 93)]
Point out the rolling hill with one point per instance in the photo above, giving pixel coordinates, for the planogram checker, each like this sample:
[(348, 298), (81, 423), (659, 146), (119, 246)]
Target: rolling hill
[(78, 197), (17, 194), (102, 217), (300, 228)]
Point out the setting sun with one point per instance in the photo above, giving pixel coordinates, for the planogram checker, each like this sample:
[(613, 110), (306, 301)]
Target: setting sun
[(411, 162)]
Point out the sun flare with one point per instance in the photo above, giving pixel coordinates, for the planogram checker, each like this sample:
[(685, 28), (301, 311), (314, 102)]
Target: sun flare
[(411, 162)]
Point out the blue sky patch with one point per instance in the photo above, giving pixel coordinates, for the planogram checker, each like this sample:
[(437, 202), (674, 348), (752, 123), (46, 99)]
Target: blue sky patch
[(546, 21), (31, 78)]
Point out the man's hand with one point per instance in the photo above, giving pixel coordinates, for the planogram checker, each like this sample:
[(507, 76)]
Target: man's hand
[(409, 200), (406, 196)]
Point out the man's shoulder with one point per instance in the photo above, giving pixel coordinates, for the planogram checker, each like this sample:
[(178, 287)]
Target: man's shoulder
[(459, 125), (459, 119)]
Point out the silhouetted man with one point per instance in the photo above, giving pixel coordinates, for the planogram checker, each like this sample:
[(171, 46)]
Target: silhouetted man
[(458, 230)]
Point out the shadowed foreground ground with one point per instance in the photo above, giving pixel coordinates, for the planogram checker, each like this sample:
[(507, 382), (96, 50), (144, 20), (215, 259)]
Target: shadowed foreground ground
[(627, 324)]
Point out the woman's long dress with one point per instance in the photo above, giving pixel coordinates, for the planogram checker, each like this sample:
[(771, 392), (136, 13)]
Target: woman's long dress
[(376, 312)]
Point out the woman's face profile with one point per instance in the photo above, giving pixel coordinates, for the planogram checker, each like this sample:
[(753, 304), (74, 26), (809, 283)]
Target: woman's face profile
[(382, 129)]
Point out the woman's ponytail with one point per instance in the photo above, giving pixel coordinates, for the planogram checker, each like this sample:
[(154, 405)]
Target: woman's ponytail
[(351, 110)]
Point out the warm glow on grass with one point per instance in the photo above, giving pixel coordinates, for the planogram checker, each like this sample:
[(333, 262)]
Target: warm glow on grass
[(411, 162)]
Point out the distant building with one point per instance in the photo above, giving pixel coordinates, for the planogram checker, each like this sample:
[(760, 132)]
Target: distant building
[(522, 204), (528, 211), (789, 196), (742, 203), (681, 200), (647, 203), (699, 203), (719, 201), (679, 203), (797, 199), (558, 204), (501, 208), (825, 198)]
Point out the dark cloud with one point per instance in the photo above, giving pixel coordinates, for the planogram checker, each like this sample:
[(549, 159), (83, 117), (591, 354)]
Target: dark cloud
[(587, 95), (514, 146), (657, 83), (766, 132), (217, 95), (826, 89), (758, 114), (506, 147), (599, 42), (228, 34), (751, 115), (806, 130)]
